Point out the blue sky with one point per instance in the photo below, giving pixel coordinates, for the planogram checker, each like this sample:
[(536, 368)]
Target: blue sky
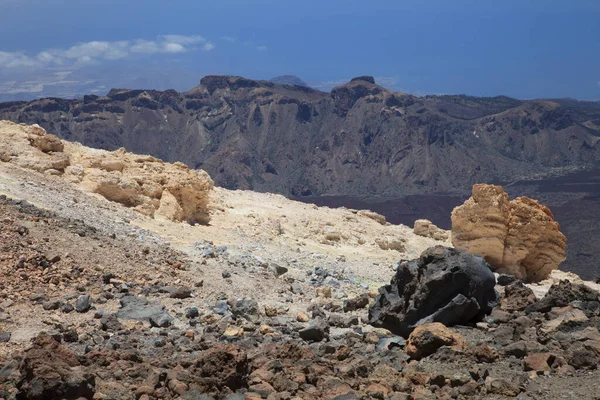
[(524, 49)]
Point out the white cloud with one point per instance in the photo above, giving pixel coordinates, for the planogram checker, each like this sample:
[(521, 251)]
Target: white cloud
[(182, 39), (261, 48), (174, 48), (228, 38), (89, 52), (15, 60)]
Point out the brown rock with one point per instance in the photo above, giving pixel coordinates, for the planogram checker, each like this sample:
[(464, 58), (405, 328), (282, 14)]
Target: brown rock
[(51, 371), (539, 362), (221, 366), (427, 338), (425, 228), (501, 387), (563, 316), (517, 297), (517, 237), (302, 317), (265, 329), (484, 353)]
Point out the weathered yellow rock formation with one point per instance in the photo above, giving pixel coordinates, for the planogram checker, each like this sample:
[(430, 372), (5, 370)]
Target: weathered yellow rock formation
[(518, 237), (147, 184), (425, 228)]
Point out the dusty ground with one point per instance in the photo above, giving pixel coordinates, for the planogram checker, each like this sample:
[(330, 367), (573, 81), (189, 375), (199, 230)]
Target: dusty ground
[(268, 226), (70, 243)]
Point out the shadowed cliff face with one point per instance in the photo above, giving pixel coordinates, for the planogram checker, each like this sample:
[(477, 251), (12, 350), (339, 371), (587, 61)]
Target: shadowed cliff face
[(360, 139)]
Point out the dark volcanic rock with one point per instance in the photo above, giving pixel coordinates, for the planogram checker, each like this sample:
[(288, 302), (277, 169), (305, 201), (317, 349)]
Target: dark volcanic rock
[(517, 297), (139, 308), (444, 285), (247, 309), (51, 371), (221, 366), (318, 330), (83, 303), (563, 293)]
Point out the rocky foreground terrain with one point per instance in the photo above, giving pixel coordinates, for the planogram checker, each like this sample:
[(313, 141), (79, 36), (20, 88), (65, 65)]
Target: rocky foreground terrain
[(270, 298), (360, 139)]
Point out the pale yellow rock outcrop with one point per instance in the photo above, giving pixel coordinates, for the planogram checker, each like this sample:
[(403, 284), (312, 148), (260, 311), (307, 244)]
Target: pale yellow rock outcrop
[(145, 183), (425, 228), (518, 237)]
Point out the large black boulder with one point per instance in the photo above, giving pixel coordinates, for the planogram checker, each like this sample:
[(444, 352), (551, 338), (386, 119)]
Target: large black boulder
[(444, 285)]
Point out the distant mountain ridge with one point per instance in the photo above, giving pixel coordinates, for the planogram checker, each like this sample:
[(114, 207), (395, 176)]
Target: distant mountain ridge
[(289, 80), (360, 139)]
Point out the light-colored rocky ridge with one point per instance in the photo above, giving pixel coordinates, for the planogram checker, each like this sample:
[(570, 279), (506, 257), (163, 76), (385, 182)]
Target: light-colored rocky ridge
[(147, 184)]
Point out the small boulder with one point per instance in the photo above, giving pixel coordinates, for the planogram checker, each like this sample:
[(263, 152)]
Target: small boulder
[(356, 303), (83, 303), (561, 294), (517, 297), (181, 292), (427, 338), (425, 228), (317, 331)]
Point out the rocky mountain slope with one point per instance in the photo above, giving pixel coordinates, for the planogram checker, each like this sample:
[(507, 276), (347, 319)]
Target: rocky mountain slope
[(359, 139), (273, 299)]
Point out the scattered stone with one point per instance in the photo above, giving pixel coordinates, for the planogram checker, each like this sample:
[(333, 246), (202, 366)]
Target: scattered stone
[(583, 359), (50, 371), (561, 294), (83, 303), (539, 362), (425, 228), (356, 303), (501, 387), (226, 274), (191, 312), (317, 331), (517, 297), (221, 307), (181, 292), (277, 269), (163, 320), (140, 309), (427, 338), (247, 309), (324, 292), (516, 349), (302, 317), (51, 305), (67, 308), (296, 288), (505, 279), (110, 323), (564, 316), (5, 337), (484, 353)]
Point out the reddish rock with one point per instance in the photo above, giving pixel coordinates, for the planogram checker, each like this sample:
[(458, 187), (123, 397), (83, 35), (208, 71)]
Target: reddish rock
[(539, 362), (51, 371), (427, 338)]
